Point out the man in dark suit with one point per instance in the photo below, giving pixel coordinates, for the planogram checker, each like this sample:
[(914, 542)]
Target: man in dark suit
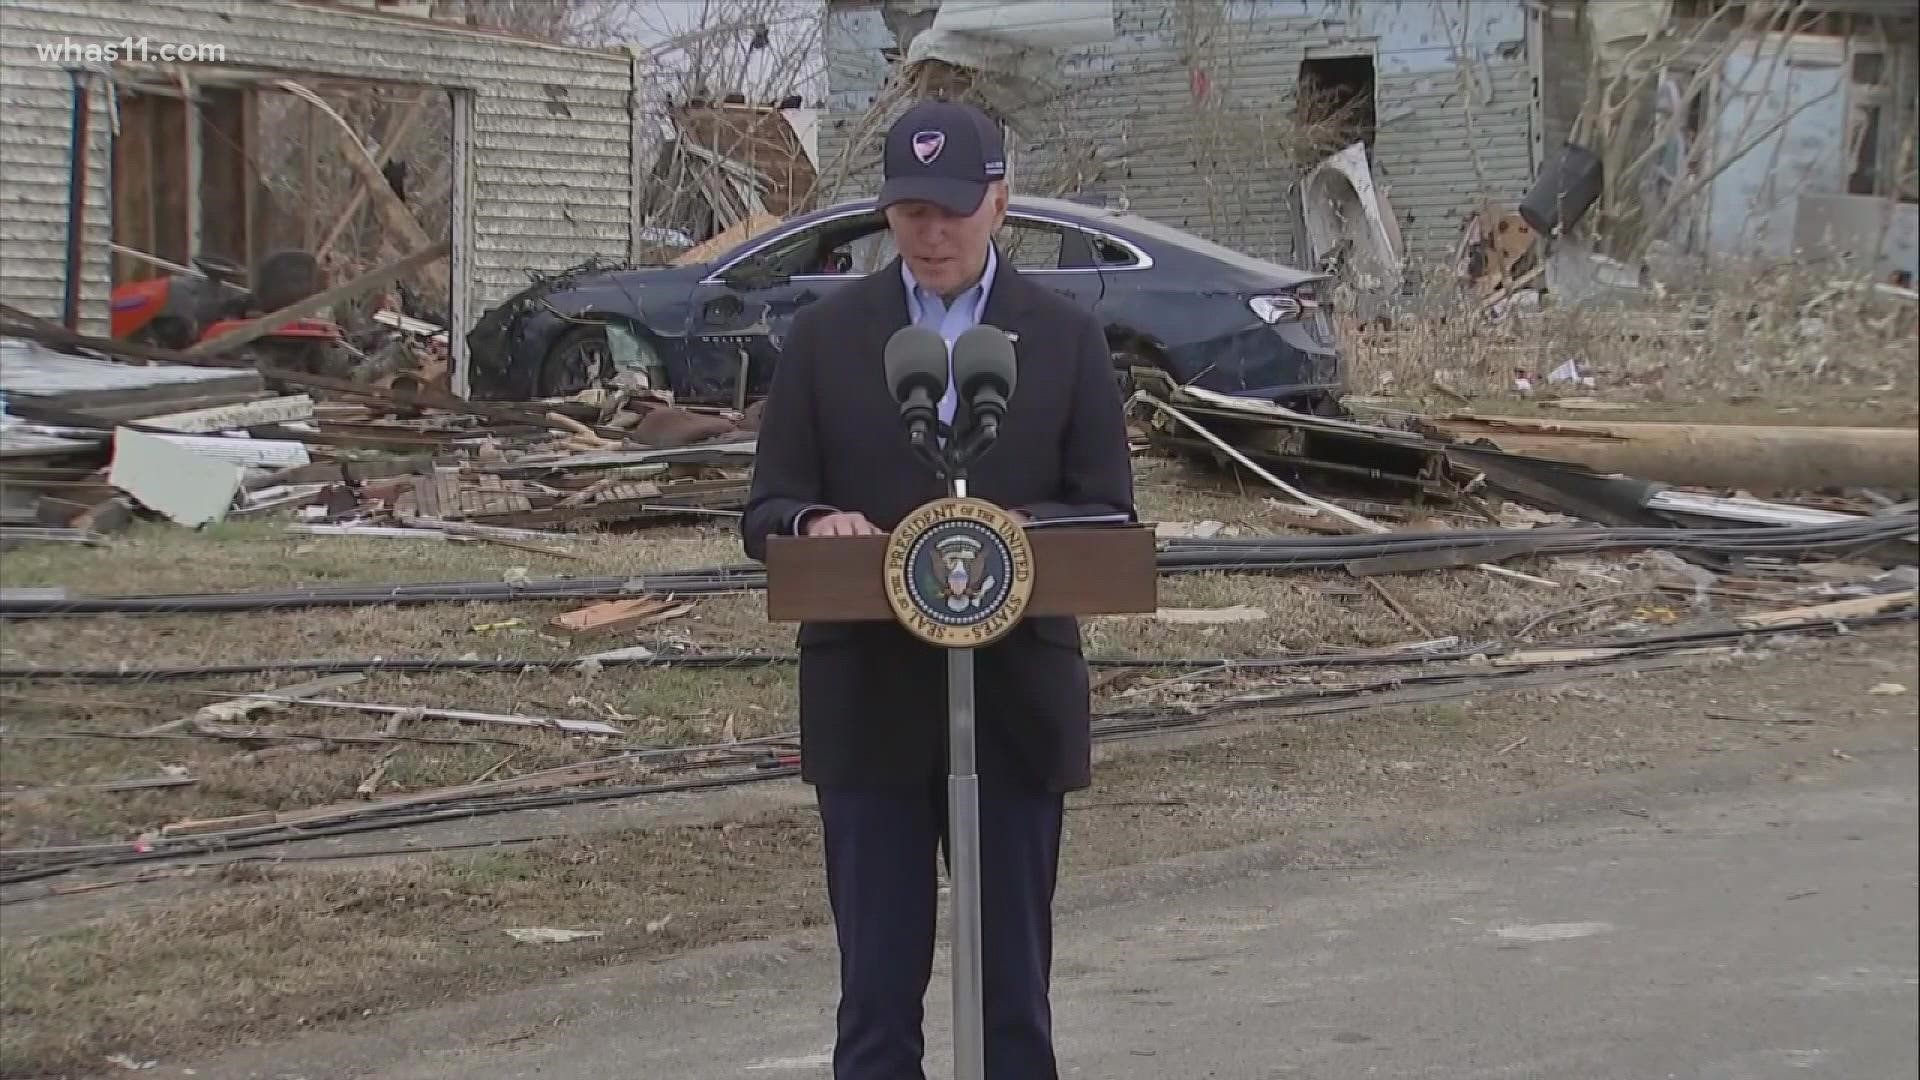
[(833, 460)]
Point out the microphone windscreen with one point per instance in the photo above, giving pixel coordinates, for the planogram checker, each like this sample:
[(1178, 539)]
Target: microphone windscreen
[(916, 359), (983, 356)]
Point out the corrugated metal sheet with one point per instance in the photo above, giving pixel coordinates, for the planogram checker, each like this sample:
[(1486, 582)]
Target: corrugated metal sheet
[(549, 173), (1453, 96)]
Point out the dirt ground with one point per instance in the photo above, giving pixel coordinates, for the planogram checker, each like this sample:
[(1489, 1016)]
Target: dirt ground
[(255, 950), (61, 737), (276, 950)]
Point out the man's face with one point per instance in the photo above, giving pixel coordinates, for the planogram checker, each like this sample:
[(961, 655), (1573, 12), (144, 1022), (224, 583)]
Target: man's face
[(946, 251)]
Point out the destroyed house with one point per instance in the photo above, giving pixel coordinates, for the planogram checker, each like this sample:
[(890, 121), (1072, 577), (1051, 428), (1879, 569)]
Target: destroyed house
[(165, 155), (1194, 114), (1775, 131), (1218, 116), (731, 162)]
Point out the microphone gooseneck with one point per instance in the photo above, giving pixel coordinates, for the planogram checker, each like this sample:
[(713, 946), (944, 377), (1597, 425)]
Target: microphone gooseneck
[(986, 371), (916, 369)]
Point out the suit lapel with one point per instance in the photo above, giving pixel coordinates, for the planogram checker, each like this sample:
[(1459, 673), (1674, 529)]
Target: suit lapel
[(1010, 298), (882, 297), (884, 293)]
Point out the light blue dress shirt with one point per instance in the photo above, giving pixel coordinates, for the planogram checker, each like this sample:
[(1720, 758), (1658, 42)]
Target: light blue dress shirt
[(927, 309)]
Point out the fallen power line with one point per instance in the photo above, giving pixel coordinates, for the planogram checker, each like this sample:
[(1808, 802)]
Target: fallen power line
[(1511, 669), (424, 665), (1274, 554)]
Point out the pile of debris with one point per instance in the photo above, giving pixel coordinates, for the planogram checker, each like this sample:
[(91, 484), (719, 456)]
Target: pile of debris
[(1645, 475), (88, 443)]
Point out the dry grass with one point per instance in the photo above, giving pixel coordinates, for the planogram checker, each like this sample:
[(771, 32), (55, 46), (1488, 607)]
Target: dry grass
[(665, 707), (232, 556), (655, 706), (296, 947), (279, 951), (1759, 342)]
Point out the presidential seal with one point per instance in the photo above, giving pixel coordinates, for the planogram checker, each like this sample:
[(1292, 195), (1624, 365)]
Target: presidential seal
[(958, 573)]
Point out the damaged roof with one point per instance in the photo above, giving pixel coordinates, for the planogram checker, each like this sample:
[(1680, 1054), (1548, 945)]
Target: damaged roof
[(759, 137)]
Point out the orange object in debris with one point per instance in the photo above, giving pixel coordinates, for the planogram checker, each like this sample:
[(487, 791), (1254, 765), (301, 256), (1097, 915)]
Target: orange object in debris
[(135, 304), (317, 329)]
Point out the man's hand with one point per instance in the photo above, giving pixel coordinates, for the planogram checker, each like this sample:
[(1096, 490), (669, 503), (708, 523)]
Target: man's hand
[(840, 524)]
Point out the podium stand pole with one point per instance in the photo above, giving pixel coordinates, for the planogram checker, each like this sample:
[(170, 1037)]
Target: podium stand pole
[(963, 839), (958, 573), (960, 548)]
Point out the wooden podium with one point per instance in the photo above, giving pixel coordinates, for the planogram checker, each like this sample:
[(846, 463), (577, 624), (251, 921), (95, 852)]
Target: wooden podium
[(1078, 570), (959, 573)]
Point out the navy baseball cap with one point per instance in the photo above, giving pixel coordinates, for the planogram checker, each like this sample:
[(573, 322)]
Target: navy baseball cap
[(943, 152)]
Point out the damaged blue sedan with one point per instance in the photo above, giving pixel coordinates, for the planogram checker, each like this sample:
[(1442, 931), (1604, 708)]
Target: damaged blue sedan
[(710, 332)]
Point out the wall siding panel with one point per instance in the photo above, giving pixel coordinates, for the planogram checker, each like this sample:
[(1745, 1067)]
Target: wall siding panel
[(550, 162), (1454, 96)]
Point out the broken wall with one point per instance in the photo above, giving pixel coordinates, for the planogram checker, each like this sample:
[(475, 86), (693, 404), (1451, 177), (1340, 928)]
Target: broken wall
[(1563, 70), (1781, 129), (1184, 117), (548, 179)]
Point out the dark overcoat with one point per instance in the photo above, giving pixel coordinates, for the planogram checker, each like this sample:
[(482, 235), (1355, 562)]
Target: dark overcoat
[(873, 705)]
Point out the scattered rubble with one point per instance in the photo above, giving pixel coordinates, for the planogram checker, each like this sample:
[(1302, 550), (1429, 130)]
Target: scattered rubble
[(85, 437), (1645, 546)]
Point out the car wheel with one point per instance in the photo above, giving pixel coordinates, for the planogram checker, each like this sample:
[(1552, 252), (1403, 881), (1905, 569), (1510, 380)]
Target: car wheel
[(580, 359)]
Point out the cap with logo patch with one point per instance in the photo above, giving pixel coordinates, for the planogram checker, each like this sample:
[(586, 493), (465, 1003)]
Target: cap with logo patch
[(945, 153)]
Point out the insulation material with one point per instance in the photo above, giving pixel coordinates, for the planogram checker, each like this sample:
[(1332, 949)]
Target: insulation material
[(806, 127), (1351, 229), (186, 486), (1015, 41), (1031, 24)]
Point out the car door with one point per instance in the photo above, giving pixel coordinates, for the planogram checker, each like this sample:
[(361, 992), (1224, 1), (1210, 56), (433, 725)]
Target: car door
[(739, 314)]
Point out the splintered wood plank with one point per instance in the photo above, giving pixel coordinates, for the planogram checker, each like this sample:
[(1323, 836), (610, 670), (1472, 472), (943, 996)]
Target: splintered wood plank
[(1857, 608), (274, 410), (426, 498), (485, 503), (447, 490), (618, 615)]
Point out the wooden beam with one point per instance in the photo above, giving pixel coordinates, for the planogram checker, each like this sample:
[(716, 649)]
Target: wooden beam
[(365, 283), (1857, 608), (133, 188), (196, 223), (388, 148), (310, 191), (225, 164), (394, 215), (419, 397)]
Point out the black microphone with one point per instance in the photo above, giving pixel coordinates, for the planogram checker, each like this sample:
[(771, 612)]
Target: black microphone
[(916, 364), (985, 370)]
